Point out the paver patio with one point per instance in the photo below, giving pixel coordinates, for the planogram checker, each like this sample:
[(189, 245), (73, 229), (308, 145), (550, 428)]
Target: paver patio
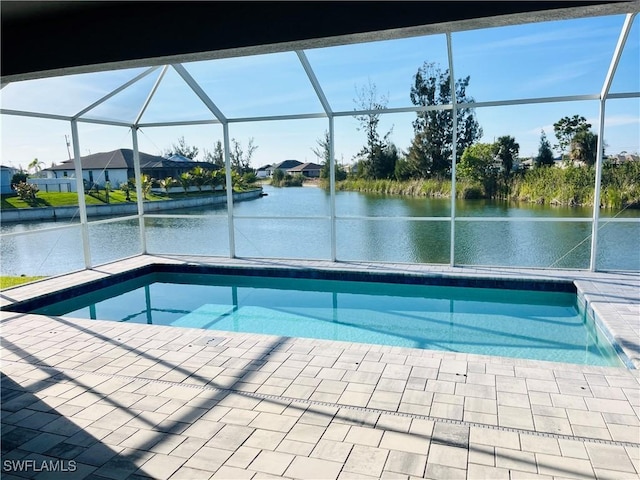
[(127, 401)]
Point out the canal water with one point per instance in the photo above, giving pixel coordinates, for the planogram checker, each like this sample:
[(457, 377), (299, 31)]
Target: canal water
[(295, 223)]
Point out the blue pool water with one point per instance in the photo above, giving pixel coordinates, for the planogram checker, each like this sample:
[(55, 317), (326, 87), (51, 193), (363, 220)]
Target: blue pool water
[(512, 323)]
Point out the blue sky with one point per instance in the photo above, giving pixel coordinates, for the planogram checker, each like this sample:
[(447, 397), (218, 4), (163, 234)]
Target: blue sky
[(505, 63)]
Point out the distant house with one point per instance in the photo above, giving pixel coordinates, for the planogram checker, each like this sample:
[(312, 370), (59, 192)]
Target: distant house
[(264, 171), (116, 167), (284, 166), (6, 174), (309, 169)]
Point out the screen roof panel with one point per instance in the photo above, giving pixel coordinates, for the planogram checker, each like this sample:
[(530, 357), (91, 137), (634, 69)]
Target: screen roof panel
[(255, 86), (389, 65), (67, 95), (569, 57)]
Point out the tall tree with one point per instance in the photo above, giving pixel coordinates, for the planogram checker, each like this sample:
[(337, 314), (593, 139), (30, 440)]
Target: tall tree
[(217, 157), (374, 163), (566, 128), (476, 163), (432, 146), (545, 154), (240, 159), (182, 148), (584, 147), (507, 150), (323, 152)]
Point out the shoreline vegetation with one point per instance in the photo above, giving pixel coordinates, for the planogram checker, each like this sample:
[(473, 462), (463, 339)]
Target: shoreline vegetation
[(571, 186)]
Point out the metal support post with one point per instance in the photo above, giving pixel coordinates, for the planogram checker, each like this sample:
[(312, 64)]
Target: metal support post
[(82, 204)]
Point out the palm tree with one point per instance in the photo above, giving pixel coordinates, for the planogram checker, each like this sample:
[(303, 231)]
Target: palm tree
[(146, 182), (185, 181), (35, 165), (166, 183), (199, 176)]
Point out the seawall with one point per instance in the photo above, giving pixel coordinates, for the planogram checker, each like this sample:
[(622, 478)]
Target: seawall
[(56, 213)]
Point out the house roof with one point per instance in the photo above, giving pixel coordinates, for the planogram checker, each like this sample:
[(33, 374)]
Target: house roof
[(286, 165), (306, 166), (123, 159)]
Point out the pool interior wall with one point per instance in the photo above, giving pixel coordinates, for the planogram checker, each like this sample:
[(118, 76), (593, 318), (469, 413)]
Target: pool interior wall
[(189, 273)]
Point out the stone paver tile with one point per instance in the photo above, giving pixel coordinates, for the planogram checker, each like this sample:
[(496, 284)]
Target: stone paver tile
[(609, 406), (548, 386), (628, 420), (188, 447), (331, 450), (391, 385), (451, 434), (536, 444), (573, 448), (318, 415), (393, 422), (512, 399), (515, 460), (568, 401), (624, 433), (543, 398), (417, 397), (479, 391), (229, 473), (552, 425), (208, 459), (517, 475), (481, 454), (242, 457), (547, 411), (494, 438), (487, 472), (313, 468), (481, 405), (448, 456), (447, 410), (161, 466), (438, 472), (274, 463), (366, 461), (203, 429), (405, 442), (609, 457), (356, 399), (336, 432), (305, 433), (406, 463), (97, 454), (602, 474), (167, 443), (483, 418), (514, 417), (440, 386), (294, 447), (239, 416), (188, 473), (511, 384), (42, 442), (230, 437), (141, 440), (587, 418), (264, 439), (364, 436), (270, 421), (564, 467)]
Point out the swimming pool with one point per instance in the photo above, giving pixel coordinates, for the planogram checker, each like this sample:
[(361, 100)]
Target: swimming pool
[(532, 324)]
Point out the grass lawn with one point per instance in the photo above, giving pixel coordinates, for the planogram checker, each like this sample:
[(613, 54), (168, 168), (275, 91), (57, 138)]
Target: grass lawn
[(47, 199), (8, 282), (57, 199)]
